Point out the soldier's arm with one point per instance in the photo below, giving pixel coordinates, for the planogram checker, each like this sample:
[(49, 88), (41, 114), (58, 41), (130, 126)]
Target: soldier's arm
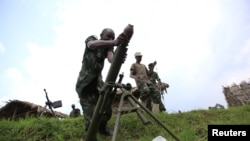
[(95, 44), (92, 42), (133, 73), (149, 71), (110, 56)]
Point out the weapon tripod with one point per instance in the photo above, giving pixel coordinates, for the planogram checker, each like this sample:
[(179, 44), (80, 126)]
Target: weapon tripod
[(50, 104), (47, 103), (133, 101)]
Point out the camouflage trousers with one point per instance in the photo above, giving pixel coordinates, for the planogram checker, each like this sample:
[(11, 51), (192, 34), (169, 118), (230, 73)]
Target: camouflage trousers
[(149, 93), (88, 100), (161, 105)]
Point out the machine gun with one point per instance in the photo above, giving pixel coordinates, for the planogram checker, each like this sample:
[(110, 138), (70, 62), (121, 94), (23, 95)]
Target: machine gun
[(51, 105)]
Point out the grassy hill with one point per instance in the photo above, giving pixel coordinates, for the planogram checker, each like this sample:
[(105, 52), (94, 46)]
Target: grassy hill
[(187, 126)]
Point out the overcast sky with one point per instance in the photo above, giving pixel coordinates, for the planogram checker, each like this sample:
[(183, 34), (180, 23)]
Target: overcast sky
[(199, 45)]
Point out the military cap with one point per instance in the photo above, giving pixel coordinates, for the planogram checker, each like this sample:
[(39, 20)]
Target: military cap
[(138, 54)]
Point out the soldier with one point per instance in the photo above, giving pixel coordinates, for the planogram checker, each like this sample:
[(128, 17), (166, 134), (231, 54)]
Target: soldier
[(89, 81), (154, 78), (148, 91), (75, 111)]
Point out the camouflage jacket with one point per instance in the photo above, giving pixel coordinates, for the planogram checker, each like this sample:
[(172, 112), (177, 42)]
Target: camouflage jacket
[(75, 113), (154, 77), (92, 65)]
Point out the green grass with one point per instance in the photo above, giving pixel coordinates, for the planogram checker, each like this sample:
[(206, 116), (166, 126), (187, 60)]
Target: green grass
[(187, 126)]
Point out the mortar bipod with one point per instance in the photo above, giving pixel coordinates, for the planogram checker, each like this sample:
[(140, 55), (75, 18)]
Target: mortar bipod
[(133, 101)]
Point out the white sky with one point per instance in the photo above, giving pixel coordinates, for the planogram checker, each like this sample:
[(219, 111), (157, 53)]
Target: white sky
[(200, 46)]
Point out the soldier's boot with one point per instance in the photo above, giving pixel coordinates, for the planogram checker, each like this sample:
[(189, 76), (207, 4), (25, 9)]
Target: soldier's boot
[(104, 130)]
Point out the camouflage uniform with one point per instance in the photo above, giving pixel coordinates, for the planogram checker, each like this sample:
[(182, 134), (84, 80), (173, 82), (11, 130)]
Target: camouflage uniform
[(89, 82), (75, 113), (148, 91), (153, 78)]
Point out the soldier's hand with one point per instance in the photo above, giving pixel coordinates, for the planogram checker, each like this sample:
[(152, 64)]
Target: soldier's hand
[(123, 40), (137, 77), (125, 57), (155, 62), (116, 42)]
